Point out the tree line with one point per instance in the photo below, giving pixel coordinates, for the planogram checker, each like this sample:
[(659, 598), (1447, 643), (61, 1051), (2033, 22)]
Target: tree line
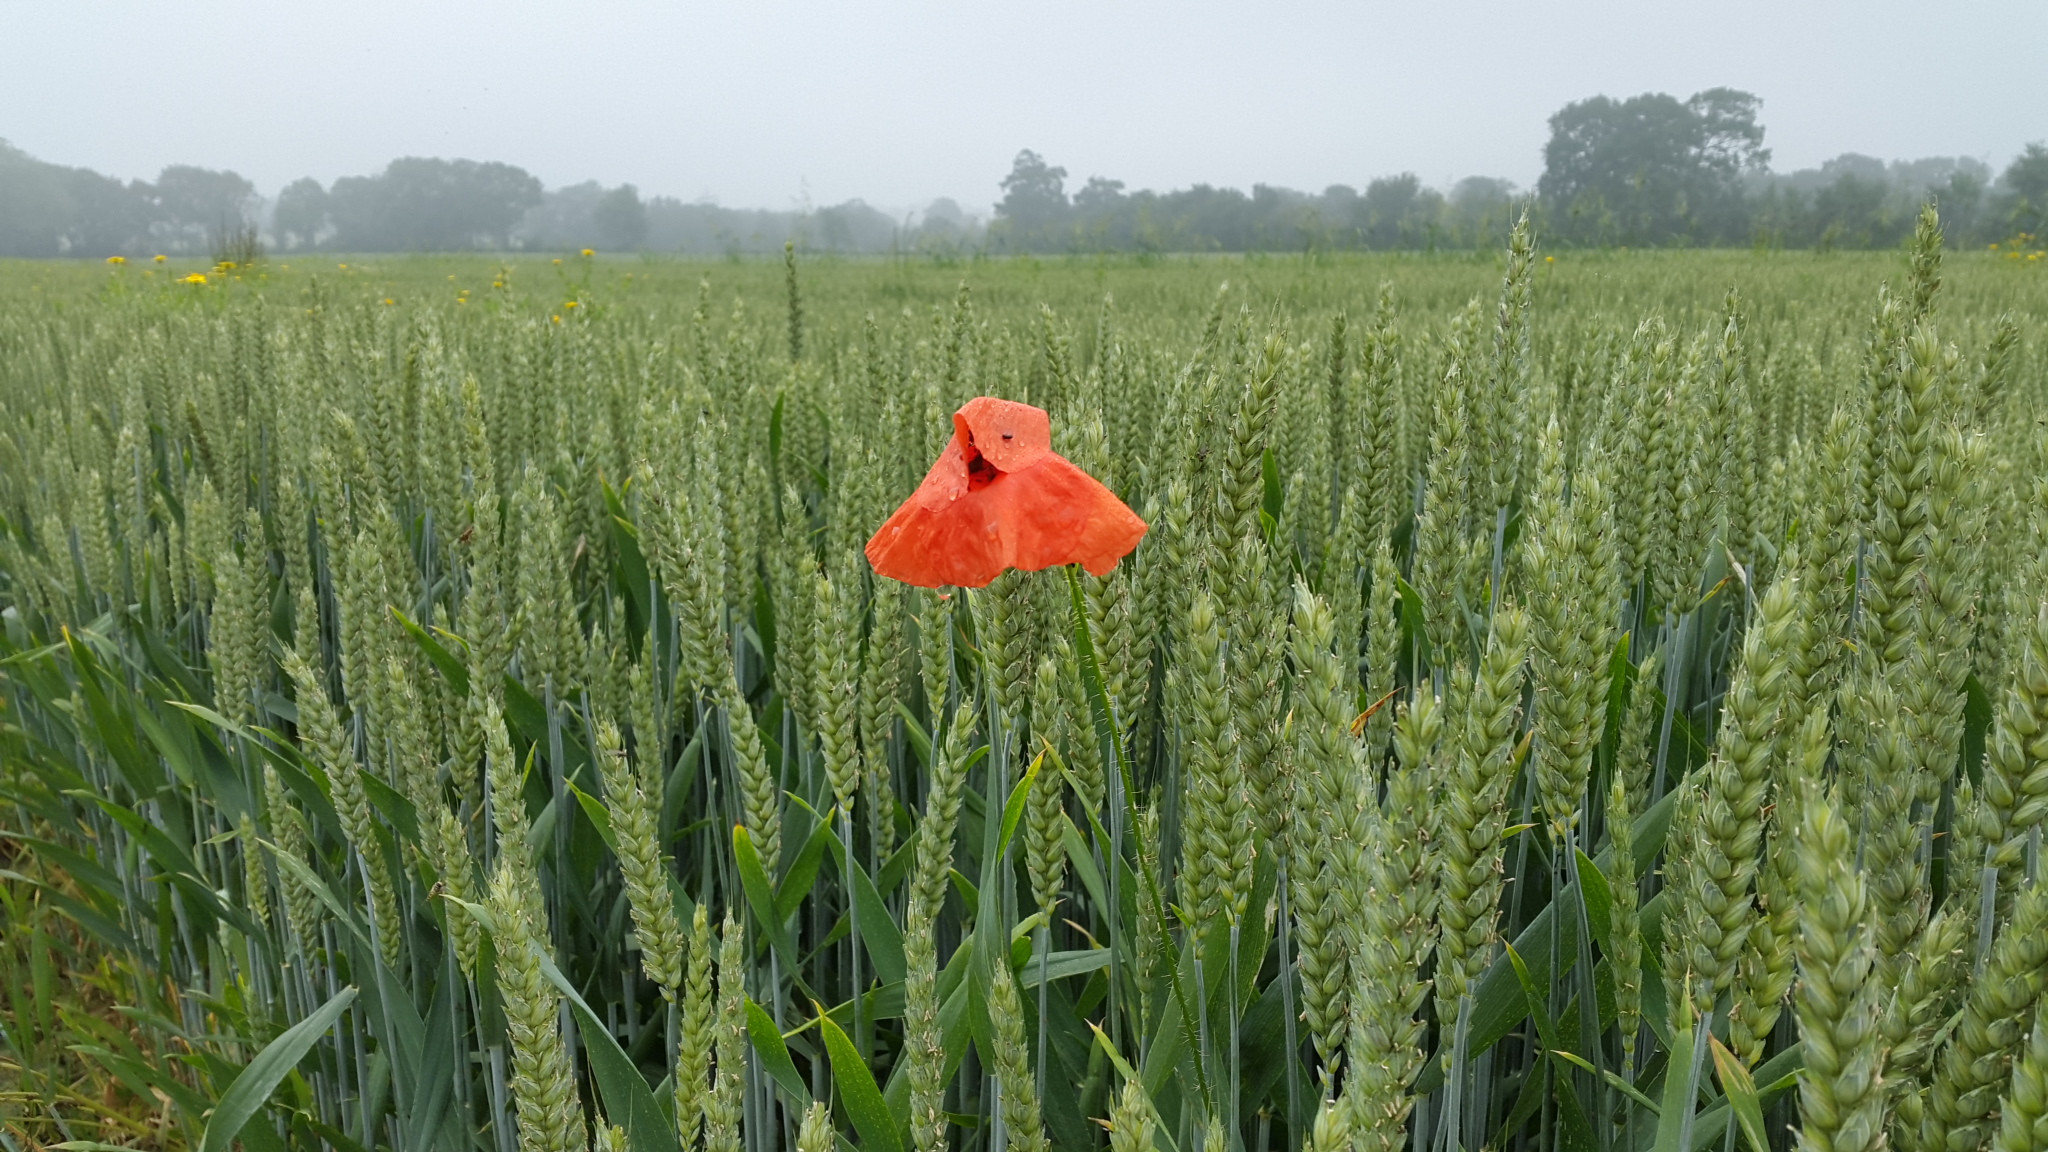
[(418, 205), (50, 210), (1645, 171)]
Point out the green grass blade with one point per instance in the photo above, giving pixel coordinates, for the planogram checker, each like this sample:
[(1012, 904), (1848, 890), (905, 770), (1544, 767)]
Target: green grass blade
[(761, 899), (1740, 1092), (628, 1102), (254, 1084), (774, 1055), (864, 1104)]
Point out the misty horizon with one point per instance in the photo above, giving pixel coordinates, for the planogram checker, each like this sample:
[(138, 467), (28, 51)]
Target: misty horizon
[(772, 107), (981, 213)]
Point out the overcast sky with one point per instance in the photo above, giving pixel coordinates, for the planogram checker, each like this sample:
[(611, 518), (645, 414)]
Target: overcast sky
[(768, 103)]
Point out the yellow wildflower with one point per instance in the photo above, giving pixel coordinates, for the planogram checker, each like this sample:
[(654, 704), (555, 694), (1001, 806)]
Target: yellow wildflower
[(588, 252), (159, 258), (195, 278), (117, 259), (568, 303)]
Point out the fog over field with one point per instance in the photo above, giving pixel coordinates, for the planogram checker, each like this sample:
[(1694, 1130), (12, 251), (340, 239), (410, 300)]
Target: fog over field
[(784, 104)]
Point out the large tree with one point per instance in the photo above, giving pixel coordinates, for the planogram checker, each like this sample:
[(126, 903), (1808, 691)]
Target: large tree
[(420, 204), (1398, 212), (50, 210), (620, 219), (1652, 169), (1850, 211), (2025, 185), (1033, 210), (301, 213), (193, 204)]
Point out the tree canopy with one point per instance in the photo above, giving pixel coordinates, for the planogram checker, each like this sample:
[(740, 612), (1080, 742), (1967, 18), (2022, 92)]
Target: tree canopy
[(2027, 180), (1652, 169), (419, 204), (300, 217), (51, 210), (620, 219), (1034, 200)]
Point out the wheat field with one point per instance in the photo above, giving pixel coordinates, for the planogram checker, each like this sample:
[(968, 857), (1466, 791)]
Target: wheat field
[(1574, 701)]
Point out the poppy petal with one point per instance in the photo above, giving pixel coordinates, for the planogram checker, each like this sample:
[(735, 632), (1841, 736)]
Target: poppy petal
[(957, 543), (1013, 436), (1058, 514), (1041, 512), (947, 480)]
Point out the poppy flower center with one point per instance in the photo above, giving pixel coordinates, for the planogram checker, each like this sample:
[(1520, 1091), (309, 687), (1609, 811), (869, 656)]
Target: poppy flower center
[(980, 473)]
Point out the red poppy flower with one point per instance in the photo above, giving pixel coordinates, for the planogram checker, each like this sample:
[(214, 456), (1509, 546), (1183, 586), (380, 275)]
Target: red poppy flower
[(1000, 497)]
